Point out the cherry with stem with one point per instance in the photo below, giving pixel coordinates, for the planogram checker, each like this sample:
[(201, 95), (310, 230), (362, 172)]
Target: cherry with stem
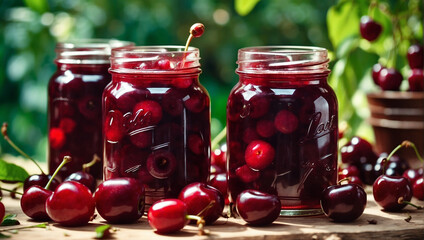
[(393, 193), (33, 201)]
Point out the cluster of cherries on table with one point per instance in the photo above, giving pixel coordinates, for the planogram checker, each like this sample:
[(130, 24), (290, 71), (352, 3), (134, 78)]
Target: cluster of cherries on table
[(393, 182), (390, 78)]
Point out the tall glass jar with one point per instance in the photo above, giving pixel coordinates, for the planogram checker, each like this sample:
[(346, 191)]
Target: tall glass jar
[(74, 103), (282, 126), (156, 118)]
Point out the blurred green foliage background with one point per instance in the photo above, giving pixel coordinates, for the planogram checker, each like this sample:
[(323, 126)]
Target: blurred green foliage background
[(31, 28)]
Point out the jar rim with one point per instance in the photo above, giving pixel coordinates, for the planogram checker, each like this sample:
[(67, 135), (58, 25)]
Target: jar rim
[(156, 49), (87, 51), (145, 59), (283, 59)]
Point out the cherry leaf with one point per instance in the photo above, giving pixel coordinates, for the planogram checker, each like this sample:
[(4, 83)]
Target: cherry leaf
[(103, 231), (9, 220), (4, 236), (12, 172), (244, 7)]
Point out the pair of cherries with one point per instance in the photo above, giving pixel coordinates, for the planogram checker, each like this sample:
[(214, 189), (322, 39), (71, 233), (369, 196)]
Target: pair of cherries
[(72, 203), (171, 215), (42, 204)]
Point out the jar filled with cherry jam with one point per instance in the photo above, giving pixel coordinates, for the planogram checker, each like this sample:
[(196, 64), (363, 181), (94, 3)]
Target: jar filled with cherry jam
[(74, 103), (282, 129), (156, 119)]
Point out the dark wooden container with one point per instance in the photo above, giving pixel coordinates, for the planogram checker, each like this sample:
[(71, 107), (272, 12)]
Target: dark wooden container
[(398, 116)]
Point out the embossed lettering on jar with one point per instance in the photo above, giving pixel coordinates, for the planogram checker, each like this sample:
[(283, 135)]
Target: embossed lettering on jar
[(156, 119), (282, 117), (74, 103)]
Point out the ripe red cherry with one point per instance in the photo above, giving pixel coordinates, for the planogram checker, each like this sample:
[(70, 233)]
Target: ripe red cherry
[(195, 102), (413, 174), (168, 215), (147, 113), (2, 212), (415, 56), (370, 29), (84, 178), (376, 69), (416, 80), (257, 106), (196, 144), (67, 125), (172, 102), (57, 138), (395, 166), (390, 79), (120, 200), (358, 151), (246, 174), (142, 137), (197, 196), (258, 208), (265, 128), (161, 164), (33, 203), (219, 157), (40, 180), (348, 171), (90, 107), (418, 188), (197, 30), (114, 129), (388, 189), (343, 203), (163, 64), (286, 122), (259, 155), (219, 181), (71, 204)]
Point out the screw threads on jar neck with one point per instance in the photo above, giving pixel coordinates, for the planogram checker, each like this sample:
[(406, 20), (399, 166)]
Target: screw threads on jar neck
[(282, 60), (87, 51), (155, 60)]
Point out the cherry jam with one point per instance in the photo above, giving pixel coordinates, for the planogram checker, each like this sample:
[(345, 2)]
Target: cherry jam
[(74, 104), (156, 120), (282, 129)]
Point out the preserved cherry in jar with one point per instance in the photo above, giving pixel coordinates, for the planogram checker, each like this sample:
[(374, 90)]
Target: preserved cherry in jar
[(282, 129), (156, 119), (74, 103)]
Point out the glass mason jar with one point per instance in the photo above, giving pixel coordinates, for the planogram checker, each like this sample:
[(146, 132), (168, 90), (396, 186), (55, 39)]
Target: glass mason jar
[(74, 103), (282, 126), (156, 119)]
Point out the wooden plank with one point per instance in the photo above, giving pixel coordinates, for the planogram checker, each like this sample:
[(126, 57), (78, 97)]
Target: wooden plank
[(389, 226)]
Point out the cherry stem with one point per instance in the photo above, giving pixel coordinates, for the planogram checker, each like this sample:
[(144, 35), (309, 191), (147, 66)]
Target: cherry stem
[(216, 140), (342, 180), (14, 146), (66, 159), (11, 191), (206, 208), (405, 144), (190, 37), (401, 201), (200, 223), (24, 227), (371, 7), (86, 166)]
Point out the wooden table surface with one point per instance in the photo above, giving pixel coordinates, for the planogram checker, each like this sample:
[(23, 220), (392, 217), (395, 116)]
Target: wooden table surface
[(389, 226)]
